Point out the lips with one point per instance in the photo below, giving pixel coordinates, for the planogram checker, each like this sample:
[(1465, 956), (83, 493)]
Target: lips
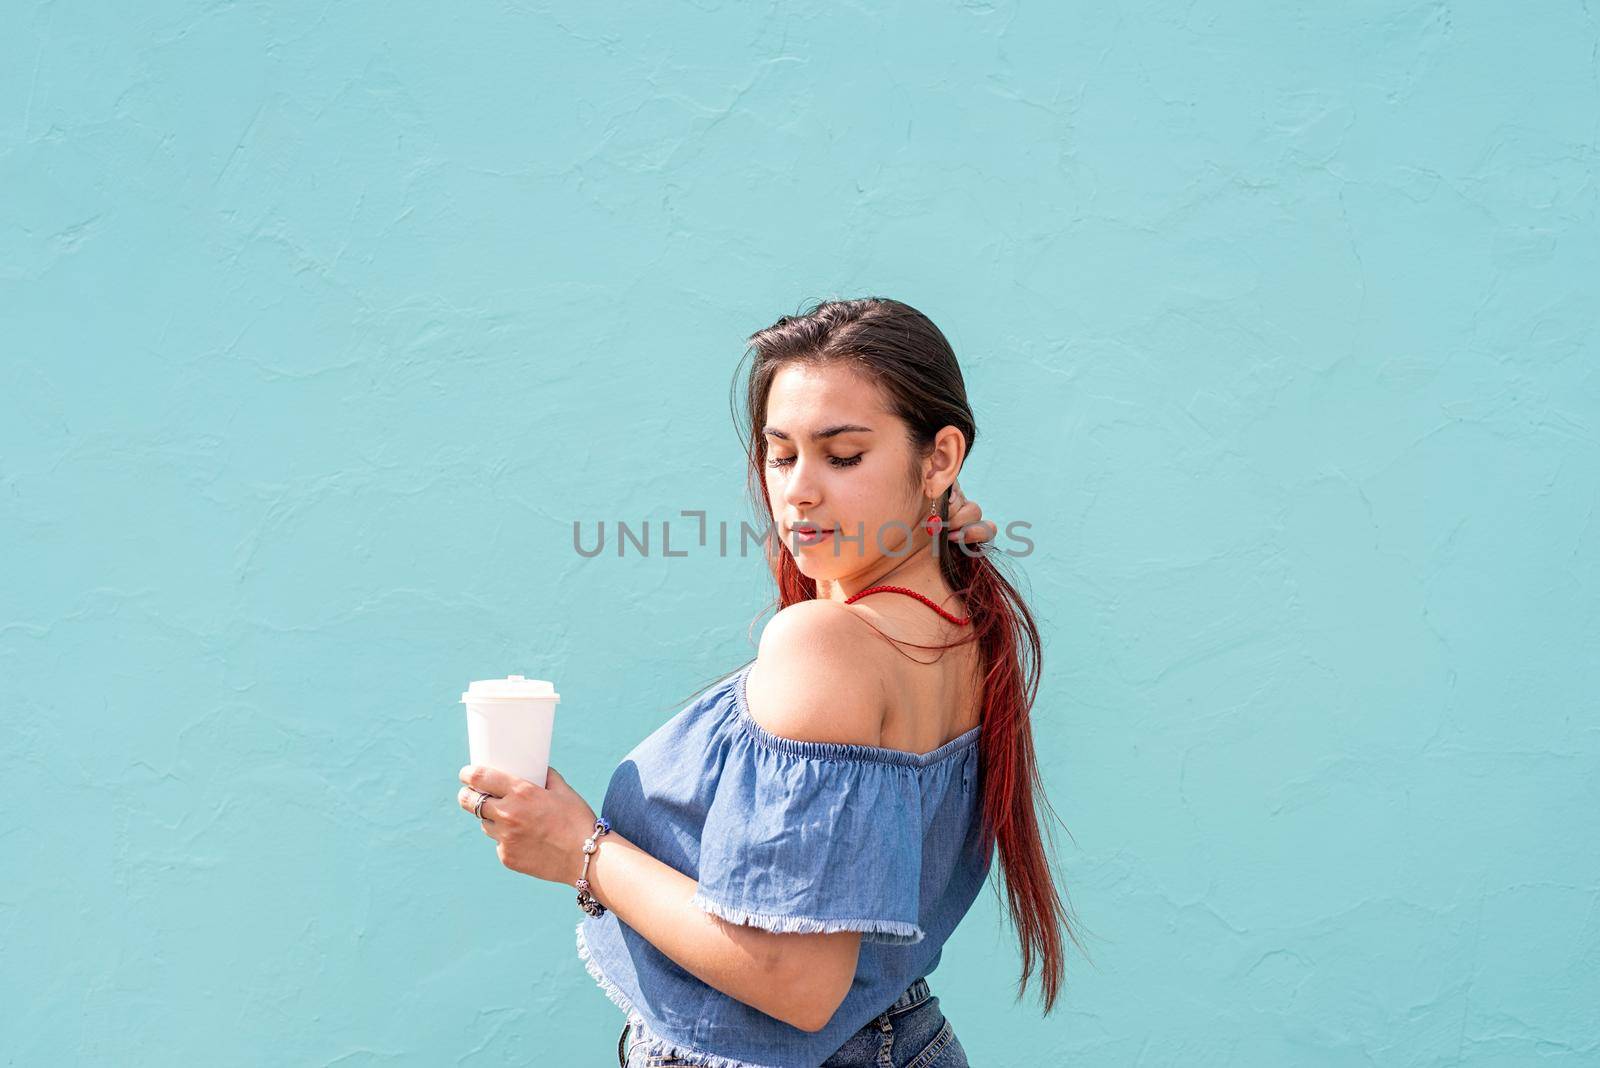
[(809, 533)]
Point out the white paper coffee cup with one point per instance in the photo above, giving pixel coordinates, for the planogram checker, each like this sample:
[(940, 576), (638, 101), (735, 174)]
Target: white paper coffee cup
[(509, 725)]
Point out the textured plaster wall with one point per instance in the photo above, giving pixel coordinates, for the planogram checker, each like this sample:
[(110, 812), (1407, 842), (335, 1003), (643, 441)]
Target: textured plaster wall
[(322, 323)]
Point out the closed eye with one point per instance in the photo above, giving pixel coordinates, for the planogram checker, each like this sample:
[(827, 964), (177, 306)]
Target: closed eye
[(837, 461)]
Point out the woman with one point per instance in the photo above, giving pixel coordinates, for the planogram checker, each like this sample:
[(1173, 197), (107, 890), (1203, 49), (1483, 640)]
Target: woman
[(779, 865)]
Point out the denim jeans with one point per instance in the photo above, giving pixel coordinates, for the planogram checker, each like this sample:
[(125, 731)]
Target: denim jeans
[(911, 1033)]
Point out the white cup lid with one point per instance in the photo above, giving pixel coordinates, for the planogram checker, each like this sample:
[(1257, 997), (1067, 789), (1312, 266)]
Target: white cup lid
[(512, 687)]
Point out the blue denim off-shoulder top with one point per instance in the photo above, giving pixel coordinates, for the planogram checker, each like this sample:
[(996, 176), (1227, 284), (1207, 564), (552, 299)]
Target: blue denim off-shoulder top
[(788, 835)]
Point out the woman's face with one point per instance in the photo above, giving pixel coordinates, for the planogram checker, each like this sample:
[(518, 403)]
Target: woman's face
[(835, 457)]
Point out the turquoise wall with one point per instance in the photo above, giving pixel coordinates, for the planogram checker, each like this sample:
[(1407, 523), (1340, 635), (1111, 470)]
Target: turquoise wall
[(324, 323)]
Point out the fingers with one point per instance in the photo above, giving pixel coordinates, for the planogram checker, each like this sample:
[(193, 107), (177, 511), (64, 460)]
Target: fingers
[(966, 519), (962, 511), (972, 533), (467, 798), (491, 781)]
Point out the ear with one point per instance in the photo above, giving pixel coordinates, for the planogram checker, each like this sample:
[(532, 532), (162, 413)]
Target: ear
[(944, 462)]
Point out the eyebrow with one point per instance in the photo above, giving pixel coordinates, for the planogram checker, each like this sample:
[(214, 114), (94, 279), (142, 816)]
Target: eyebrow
[(842, 428)]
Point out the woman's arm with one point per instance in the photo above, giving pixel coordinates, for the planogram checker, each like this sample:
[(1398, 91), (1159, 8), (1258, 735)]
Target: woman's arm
[(800, 978), (796, 978), (813, 647)]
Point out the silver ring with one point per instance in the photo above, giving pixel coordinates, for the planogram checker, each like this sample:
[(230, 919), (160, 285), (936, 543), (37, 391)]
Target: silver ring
[(477, 810)]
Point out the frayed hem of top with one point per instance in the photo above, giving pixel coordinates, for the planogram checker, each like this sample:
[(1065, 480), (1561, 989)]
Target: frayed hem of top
[(610, 989), (892, 932), (654, 1046)]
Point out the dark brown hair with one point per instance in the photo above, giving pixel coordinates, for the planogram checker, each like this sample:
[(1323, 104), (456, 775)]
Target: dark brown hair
[(900, 350)]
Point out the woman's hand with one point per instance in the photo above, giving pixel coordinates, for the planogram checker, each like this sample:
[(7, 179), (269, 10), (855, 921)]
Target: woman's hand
[(967, 524), (540, 831)]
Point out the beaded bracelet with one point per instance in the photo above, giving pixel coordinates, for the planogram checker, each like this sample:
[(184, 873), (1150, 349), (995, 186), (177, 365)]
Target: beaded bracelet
[(587, 901)]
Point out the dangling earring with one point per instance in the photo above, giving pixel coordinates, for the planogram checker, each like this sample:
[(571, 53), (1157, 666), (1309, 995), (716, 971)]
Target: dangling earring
[(932, 523)]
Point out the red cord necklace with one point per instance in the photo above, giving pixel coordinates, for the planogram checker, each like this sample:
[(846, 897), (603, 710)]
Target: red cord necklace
[(958, 620)]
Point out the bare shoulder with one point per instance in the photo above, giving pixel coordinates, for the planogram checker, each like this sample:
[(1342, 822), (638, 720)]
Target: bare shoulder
[(819, 676)]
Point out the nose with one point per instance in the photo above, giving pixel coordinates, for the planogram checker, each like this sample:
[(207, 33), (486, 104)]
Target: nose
[(799, 487)]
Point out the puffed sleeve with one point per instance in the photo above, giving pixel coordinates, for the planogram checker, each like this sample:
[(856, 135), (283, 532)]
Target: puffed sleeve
[(799, 840)]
